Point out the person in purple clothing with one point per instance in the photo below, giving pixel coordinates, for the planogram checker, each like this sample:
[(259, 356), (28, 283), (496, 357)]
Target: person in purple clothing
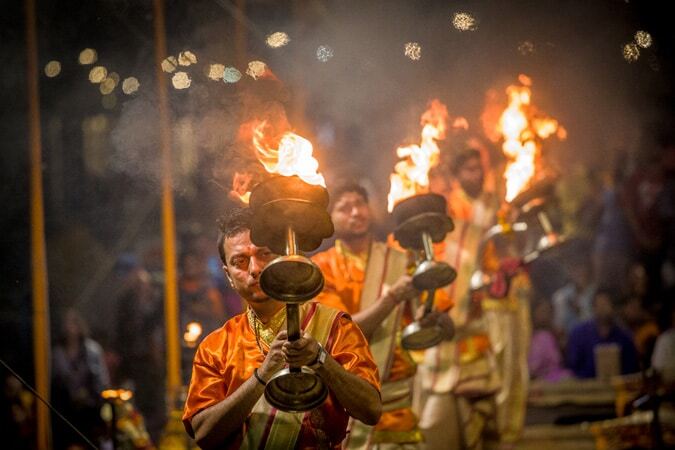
[(602, 329), (545, 361)]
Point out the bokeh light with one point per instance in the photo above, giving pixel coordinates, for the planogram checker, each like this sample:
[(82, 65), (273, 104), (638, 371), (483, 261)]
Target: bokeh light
[(231, 75), (464, 21), (169, 64), (52, 69), (98, 74), (108, 85), (413, 50), (643, 39), (324, 53), (130, 85), (87, 56), (256, 69), (181, 80), (278, 39), (216, 72), (526, 48), (631, 52), (187, 58)]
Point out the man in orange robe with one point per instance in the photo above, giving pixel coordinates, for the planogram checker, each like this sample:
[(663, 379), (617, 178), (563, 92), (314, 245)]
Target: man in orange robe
[(369, 280), (225, 407), (459, 378)]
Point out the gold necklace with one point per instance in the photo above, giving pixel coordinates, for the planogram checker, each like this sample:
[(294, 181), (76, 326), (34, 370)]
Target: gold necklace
[(266, 333)]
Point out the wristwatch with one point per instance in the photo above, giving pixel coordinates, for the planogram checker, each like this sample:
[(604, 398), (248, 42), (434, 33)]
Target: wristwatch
[(320, 358)]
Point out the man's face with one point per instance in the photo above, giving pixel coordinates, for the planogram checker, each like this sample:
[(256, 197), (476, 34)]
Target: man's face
[(351, 216), (603, 308), (470, 176), (245, 262)]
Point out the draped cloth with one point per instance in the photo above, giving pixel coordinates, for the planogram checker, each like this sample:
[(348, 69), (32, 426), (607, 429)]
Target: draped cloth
[(227, 357), (352, 284)]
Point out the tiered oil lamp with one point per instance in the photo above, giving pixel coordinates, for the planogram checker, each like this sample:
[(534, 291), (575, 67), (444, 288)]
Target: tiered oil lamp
[(290, 216), (532, 223), (421, 221)]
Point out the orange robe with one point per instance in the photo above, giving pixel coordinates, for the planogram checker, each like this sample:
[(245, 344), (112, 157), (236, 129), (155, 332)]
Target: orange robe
[(227, 357), (344, 283)]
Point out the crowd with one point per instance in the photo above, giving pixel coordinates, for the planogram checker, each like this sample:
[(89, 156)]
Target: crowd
[(614, 308)]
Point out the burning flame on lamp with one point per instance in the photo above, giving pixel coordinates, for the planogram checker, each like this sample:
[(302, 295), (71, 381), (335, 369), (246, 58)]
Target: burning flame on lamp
[(522, 130), (411, 174)]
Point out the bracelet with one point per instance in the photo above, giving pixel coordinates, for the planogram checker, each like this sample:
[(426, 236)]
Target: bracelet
[(257, 377)]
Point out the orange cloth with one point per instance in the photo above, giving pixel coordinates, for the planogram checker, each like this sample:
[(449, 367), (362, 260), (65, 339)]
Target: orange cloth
[(344, 277), (227, 357)]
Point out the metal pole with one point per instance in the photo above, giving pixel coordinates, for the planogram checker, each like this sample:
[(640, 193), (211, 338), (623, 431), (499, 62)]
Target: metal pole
[(173, 375), (41, 338)]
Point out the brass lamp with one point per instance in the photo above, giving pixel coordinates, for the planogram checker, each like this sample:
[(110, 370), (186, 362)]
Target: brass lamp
[(290, 216), (421, 221)]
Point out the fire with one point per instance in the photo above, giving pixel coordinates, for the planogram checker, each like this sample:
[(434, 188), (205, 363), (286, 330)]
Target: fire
[(411, 174), (292, 157), (192, 332), (523, 131)]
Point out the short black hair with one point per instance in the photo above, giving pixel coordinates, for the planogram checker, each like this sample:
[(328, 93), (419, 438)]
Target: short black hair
[(235, 220), (463, 157), (348, 186)]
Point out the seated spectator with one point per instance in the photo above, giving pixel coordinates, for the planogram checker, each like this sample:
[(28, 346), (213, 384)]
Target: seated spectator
[(663, 358), (602, 329), (643, 327), (545, 358), (572, 302), (79, 374)]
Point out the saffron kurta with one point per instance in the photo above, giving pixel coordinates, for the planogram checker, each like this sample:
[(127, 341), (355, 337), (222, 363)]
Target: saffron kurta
[(345, 275), (227, 357)]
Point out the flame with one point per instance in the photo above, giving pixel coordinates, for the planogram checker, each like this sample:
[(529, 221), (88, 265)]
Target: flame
[(122, 394), (411, 174), (194, 330), (292, 157), (523, 131)]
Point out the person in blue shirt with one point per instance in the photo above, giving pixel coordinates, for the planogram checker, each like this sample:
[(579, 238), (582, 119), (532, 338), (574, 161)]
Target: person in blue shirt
[(601, 329)]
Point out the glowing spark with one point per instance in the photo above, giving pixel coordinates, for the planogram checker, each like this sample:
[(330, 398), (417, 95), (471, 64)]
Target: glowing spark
[(130, 85), (169, 64), (87, 56), (643, 39), (181, 80), (413, 50), (526, 48), (278, 39), (108, 85), (52, 69), (631, 52), (98, 74), (187, 58), (109, 101), (463, 21), (216, 72), (256, 69), (324, 53), (231, 75)]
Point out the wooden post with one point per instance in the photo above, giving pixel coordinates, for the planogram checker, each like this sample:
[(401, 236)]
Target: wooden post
[(173, 350), (41, 338)]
